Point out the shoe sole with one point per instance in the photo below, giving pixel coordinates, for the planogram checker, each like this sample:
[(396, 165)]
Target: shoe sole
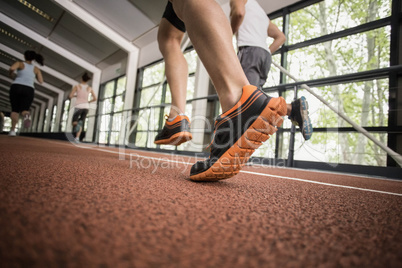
[(176, 139), (232, 161), (307, 126)]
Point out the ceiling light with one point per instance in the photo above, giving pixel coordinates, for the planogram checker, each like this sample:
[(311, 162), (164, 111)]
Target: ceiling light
[(5, 32), (7, 56), (36, 10)]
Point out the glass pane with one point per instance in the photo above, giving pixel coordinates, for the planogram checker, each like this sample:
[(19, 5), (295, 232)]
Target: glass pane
[(191, 58), (107, 106), (274, 73), (121, 85), (65, 115), (141, 139), (108, 89), (189, 110), (7, 124), (151, 138), (342, 56), (105, 121), (53, 126), (331, 16), (342, 148), (114, 137), (44, 123), (151, 96), (168, 97), (365, 103), (103, 136), (118, 104), (116, 125), (153, 74), (148, 119), (190, 87)]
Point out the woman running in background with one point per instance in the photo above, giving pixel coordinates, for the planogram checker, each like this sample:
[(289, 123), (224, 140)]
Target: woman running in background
[(81, 91), (22, 89)]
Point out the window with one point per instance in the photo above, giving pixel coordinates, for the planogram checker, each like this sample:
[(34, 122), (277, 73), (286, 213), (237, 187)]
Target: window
[(53, 126), (110, 111), (64, 118), (153, 100), (332, 45), (331, 16), (354, 53)]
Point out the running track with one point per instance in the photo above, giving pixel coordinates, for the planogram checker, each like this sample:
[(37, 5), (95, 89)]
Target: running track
[(63, 205)]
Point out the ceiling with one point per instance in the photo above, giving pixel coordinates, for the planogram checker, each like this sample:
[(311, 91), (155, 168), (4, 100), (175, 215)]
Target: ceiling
[(75, 36)]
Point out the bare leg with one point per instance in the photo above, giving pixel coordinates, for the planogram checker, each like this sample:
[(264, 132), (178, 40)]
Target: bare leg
[(14, 120), (176, 69), (74, 125), (78, 133), (211, 35)]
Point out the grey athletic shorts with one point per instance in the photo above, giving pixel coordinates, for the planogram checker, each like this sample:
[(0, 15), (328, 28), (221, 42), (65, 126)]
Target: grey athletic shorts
[(256, 63)]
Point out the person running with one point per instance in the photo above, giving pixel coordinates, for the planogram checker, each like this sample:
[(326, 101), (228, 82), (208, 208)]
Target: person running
[(170, 35), (22, 89), (249, 116), (251, 26), (81, 108)]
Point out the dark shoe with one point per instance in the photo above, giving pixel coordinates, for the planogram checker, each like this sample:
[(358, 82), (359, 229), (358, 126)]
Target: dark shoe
[(238, 133), (299, 116), (175, 132)]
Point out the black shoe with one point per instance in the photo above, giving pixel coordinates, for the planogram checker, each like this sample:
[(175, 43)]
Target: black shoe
[(238, 132), (299, 116), (175, 132)]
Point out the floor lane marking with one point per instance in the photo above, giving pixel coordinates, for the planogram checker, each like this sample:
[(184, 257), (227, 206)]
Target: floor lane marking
[(253, 173), (321, 183)]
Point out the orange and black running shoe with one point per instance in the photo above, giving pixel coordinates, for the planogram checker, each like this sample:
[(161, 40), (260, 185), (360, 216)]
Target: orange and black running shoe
[(175, 132), (238, 133)]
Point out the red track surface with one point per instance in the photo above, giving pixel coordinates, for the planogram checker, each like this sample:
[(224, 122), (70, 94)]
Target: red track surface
[(63, 205)]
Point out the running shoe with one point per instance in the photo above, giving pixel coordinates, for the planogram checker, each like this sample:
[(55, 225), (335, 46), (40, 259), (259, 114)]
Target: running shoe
[(27, 121), (238, 133), (175, 132), (12, 133), (299, 116)]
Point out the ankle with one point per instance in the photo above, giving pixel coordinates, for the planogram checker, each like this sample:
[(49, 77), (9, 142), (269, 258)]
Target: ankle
[(289, 109), (229, 99)]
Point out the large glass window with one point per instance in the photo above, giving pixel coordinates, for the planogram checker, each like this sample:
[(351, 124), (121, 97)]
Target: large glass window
[(53, 122), (154, 98), (338, 47), (64, 118), (331, 16), (317, 49), (354, 53), (110, 111)]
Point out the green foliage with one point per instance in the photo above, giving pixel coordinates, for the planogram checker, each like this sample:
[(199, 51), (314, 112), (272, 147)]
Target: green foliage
[(365, 102)]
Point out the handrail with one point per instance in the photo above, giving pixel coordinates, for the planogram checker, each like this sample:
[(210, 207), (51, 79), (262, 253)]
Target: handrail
[(397, 157)]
